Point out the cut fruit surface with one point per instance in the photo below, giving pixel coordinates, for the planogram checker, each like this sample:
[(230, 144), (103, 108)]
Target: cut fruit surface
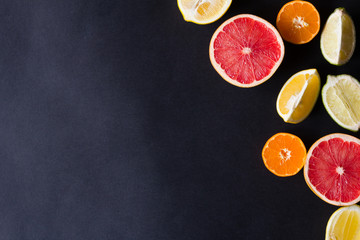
[(344, 223), (246, 50), (341, 98), (284, 154), (298, 22), (337, 41), (298, 96), (203, 11), (332, 169)]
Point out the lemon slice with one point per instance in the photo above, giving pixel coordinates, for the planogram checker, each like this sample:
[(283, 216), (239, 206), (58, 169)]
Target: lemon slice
[(298, 96), (337, 41), (344, 223), (341, 98), (203, 11)]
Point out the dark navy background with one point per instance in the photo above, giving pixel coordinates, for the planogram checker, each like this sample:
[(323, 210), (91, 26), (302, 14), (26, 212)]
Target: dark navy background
[(114, 125)]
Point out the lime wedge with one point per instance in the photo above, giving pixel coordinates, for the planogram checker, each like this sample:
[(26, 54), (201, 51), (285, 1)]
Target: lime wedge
[(341, 98), (337, 41)]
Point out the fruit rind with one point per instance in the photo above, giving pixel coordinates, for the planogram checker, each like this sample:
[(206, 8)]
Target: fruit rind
[(288, 117), (221, 71), (331, 81), (343, 136)]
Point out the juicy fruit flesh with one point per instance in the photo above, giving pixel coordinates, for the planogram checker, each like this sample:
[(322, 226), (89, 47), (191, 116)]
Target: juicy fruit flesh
[(343, 98), (202, 10), (334, 168), (298, 97), (345, 224), (247, 50), (338, 38), (298, 22), (284, 154)]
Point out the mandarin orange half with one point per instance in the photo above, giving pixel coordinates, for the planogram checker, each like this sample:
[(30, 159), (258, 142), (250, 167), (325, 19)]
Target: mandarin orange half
[(298, 22), (284, 154)]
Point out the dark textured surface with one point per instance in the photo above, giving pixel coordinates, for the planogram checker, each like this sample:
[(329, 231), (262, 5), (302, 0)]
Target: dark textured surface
[(114, 125)]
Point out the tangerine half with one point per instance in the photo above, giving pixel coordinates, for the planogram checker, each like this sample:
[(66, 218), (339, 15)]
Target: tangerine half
[(284, 154), (298, 22)]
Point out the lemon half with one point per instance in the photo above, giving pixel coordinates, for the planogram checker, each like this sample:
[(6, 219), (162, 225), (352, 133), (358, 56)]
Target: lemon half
[(203, 11), (344, 223), (298, 96)]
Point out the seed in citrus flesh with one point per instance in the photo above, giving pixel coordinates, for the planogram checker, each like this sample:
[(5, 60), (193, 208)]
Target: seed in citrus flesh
[(337, 40), (341, 98), (298, 96), (332, 169), (298, 22), (203, 12), (284, 154), (246, 50)]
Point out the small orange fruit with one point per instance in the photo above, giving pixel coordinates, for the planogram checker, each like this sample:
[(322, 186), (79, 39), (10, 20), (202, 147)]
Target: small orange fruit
[(298, 22), (284, 154)]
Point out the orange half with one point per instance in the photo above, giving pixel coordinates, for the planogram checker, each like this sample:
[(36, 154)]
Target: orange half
[(284, 154), (298, 22)]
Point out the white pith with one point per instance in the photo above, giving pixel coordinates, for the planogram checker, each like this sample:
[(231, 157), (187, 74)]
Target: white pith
[(299, 22), (285, 155)]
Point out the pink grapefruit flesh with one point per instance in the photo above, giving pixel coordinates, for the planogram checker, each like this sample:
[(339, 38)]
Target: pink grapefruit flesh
[(246, 50), (332, 169)]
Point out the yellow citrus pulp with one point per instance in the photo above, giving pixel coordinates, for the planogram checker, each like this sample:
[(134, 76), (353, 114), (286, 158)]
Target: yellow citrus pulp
[(298, 96), (203, 11), (344, 224)]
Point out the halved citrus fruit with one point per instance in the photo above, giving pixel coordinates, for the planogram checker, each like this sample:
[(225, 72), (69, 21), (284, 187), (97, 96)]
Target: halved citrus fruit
[(332, 169), (298, 22), (337, 41), (246, 50), (298, 96), (341, 98), (344, 223), (203, 11), (284, 154)]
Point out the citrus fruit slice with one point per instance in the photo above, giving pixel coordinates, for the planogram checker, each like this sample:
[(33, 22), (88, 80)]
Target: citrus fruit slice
[(246, 50), (298, 22), (298, 96), (203, 11), (332, 169), (341, 98), (284, 154), (344, 223), (337, 40)]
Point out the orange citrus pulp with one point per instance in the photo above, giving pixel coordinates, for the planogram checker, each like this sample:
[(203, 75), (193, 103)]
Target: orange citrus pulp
[(284, 154), (298, 22)]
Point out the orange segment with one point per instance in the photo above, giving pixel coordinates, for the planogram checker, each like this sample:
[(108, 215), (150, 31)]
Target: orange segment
[(284, 154), (298, 22)]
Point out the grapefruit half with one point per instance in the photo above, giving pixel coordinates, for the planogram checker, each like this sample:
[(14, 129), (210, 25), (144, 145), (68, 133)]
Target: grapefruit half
[(246, 50), (332, 169)]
